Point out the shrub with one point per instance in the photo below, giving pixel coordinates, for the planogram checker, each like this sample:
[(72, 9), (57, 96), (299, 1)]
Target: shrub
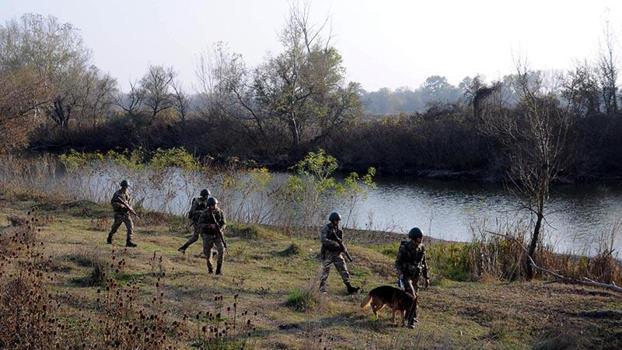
[(174, 157), (302, 300)]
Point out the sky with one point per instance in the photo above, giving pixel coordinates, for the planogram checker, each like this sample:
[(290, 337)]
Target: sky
[(389, 43)]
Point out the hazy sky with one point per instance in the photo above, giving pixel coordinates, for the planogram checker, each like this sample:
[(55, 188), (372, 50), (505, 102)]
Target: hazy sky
[(387, 43)]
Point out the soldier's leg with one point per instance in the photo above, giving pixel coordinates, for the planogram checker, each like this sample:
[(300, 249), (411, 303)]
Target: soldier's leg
[(220, 249), (326, 262), (208, 244), (194, 238), (118, 220), (340, 265), (129, 225), (409, 287)]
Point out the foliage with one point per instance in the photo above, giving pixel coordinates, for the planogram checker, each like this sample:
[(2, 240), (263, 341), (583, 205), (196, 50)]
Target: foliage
[(175, 157), (21, 93), (75, 160), (313, 188)]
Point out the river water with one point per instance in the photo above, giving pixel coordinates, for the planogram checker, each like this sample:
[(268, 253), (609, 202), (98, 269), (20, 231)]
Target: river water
[(577, 216)]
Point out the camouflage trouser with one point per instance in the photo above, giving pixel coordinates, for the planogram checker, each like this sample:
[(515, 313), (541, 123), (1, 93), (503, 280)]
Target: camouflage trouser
[(211, 241), (195, 237), (122, 218), (337, 259), (411, 285)]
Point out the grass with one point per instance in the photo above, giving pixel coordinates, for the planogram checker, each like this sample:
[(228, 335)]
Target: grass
[(270, 278), (302, 300)]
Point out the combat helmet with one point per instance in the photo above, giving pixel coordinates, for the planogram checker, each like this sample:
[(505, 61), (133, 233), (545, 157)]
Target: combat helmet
[(415, 232), (334, 216)]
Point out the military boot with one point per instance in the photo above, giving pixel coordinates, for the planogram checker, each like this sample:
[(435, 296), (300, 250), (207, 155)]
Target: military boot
[(352, 290), (130, 244)]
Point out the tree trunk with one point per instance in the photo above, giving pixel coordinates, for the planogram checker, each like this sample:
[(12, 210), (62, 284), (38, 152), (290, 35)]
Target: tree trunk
[(534, 238), (295, 133)]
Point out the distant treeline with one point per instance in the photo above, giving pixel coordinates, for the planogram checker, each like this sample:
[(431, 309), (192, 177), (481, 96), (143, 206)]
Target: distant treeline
[(435, 90), (52, 99)]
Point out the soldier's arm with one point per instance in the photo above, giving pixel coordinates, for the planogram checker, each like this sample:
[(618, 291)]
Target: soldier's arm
[(398, 261), (116, 198), (325, 240), (193, 208)]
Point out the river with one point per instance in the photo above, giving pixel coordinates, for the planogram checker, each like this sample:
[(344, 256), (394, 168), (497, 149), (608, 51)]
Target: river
[(577, 216)]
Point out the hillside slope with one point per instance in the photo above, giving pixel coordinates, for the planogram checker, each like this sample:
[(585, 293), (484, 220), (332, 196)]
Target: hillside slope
[(264, 268)]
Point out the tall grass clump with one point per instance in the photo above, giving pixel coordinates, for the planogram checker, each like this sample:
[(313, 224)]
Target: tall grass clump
[(501, 254), (302, 299)]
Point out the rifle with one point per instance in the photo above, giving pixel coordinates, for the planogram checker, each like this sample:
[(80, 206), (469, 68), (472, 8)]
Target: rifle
[(219, 231), (344, 250), (129, 208)]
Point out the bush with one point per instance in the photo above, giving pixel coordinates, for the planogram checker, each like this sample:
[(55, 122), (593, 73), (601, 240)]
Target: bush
[(176, 157), (302, 300)]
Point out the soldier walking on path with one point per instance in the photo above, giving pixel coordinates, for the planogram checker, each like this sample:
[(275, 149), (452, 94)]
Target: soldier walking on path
[(410, 265), (122, 209), (211, 225), (332, 253), (199, 204)]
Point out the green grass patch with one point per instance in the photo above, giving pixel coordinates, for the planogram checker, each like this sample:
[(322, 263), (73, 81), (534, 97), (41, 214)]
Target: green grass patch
[(302, 300)]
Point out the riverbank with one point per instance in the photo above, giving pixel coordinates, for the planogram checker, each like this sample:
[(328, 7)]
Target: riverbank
[(265, 268)]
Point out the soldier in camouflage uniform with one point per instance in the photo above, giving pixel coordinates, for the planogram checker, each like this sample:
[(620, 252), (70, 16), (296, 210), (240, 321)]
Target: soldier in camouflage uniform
[(120, 204), (210, 221), (198, 205), (331, 253), (410, 265)]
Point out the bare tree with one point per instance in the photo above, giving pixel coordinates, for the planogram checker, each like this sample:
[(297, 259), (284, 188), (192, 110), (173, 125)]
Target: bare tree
[(132, 102), (535, 138), (181, 102), (227, 88), (98, 95), (608, 70), (156, 90)]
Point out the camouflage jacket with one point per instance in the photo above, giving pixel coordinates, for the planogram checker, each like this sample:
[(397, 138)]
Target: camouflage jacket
[(410, 260), (199, 204), (206, 218), (117, 202), (329, 235)]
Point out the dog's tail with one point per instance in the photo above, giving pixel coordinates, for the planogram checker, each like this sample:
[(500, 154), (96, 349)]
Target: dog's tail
[(366, 302)]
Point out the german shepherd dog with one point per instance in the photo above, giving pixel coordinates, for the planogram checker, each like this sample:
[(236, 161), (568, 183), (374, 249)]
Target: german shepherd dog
[(397, 299)]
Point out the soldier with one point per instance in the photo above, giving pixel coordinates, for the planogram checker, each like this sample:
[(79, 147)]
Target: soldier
[(332, 253), (211, 225), (198, 205), (410, 265), (122, 209)]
